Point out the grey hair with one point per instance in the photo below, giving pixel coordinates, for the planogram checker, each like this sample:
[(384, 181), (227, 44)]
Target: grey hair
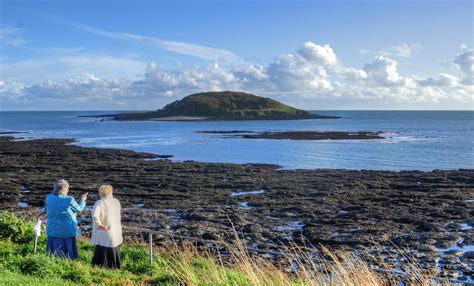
[(61, 187)]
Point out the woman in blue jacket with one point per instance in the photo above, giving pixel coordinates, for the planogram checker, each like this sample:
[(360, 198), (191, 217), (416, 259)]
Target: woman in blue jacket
[(61, 228)]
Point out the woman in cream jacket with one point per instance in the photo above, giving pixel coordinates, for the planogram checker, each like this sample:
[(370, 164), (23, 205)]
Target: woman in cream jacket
[(106, 229)]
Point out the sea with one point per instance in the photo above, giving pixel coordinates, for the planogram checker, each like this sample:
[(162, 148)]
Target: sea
[(414, 140)]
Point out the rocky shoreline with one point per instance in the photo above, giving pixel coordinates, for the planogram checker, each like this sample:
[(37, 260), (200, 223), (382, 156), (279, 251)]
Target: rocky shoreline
[(431, 212)]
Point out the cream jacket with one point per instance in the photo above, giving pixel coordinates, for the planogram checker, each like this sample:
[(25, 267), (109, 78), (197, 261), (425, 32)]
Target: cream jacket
[(106, 212)]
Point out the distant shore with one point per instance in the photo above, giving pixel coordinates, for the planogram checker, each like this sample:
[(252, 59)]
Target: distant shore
[(340, 208)]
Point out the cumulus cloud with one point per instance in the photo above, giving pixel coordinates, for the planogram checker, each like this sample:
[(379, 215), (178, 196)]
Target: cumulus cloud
[(82, 92), (323, 55), (383, 71), (186, 80), (290, 73), (465, 62), (312, 77), (442, 80)]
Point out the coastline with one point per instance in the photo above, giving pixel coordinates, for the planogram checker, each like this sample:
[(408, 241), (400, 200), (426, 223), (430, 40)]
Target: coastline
[(344, 209)]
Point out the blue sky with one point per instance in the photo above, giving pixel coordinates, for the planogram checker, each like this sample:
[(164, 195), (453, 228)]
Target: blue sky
[(313, 54)]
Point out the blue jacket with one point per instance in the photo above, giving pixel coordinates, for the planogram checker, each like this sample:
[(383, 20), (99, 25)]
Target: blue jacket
[(61, 211)]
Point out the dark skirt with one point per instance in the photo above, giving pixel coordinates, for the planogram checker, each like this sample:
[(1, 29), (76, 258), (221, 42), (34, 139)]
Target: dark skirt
[(65, 247), (108, 257)]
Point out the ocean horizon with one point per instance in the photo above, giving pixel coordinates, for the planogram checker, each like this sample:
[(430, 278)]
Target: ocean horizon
[(413, 140)]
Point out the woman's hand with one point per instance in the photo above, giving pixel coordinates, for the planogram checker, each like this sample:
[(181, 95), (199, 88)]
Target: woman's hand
[(84, 197), (104, 227)]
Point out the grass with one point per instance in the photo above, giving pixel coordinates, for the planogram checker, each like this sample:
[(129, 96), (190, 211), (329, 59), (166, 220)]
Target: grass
[(179, 265)]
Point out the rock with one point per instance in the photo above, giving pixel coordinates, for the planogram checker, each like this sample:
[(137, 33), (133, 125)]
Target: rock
[(453, 253), (468, 255), (431, 241), (446, 240), (427, 248), (313, 135)]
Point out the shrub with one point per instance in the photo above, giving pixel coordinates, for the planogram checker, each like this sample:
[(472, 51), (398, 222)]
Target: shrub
[(14, 229)]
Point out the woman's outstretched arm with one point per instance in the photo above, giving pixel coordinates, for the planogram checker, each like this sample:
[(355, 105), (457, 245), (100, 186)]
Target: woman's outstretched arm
[(79, 207)]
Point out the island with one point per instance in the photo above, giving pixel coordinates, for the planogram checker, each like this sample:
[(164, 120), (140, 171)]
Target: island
[(223, 105)]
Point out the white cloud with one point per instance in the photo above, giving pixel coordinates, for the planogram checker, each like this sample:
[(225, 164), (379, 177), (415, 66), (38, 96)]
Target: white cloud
[(186, 80), (405, 50), (383, 71), (292, 73), (323, 55), (463, 46), (310, 78), (351, 73), (442, 80), (465, 62), (190, 49), (397, 51)]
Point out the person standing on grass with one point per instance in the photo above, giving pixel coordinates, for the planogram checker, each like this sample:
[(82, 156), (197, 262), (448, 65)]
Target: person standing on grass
[(106, 229), (61, 229)]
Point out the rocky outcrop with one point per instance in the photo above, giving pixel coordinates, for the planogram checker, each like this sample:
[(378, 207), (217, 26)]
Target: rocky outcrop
[(299, 135)]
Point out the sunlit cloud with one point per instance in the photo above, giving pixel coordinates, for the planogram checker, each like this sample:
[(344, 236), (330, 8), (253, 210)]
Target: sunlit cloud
[(312, 77)]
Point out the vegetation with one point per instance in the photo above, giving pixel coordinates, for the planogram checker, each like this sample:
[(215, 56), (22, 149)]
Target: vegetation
[(226, 105), (175, 266)]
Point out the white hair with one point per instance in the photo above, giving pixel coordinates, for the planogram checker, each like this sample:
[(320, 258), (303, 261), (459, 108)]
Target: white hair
[(105, 191), (61, 187)]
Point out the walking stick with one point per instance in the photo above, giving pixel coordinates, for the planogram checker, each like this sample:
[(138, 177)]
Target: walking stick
[(150, 237), (36, 243)]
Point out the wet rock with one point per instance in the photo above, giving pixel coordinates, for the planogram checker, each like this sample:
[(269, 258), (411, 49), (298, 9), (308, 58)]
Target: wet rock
[(339, 208), (453, 252), (468, 255), (446, 240), (427, 248), (430, 241)]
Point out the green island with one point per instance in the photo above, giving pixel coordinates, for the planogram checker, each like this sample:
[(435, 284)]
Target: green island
[(223, 105)]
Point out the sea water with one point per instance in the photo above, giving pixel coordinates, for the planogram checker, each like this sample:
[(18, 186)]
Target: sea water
[(414, 140)]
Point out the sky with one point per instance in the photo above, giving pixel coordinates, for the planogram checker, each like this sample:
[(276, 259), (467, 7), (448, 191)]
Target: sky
[(141, 55)]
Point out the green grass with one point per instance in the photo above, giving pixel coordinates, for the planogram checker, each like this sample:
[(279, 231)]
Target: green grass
[(20, 266), (17, 262), (176, 265)]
